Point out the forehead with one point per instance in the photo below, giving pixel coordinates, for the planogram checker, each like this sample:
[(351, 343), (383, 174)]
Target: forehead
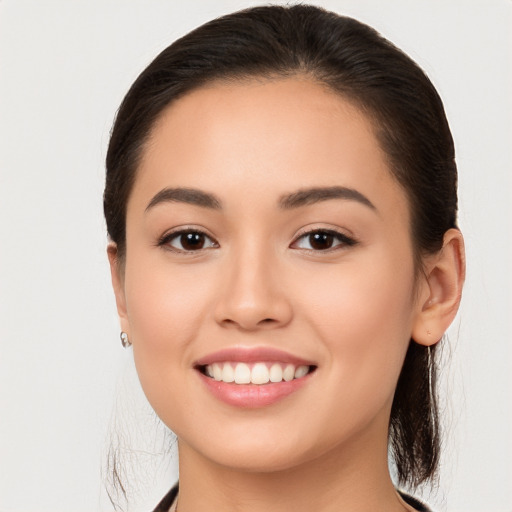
[(271, 135)]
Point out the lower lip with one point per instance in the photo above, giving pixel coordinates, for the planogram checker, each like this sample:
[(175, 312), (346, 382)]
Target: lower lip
[(252, 395)]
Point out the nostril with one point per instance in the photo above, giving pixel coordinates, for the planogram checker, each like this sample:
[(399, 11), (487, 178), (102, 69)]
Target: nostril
[(267, 322)]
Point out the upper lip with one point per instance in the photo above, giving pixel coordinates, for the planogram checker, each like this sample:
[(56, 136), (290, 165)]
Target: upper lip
[(251, 355)]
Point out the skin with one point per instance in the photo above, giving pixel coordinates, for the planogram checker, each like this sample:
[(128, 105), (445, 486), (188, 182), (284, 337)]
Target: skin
[(351, 309)]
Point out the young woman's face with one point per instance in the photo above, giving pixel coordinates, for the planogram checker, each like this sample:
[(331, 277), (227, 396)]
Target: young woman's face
[(266, 238)]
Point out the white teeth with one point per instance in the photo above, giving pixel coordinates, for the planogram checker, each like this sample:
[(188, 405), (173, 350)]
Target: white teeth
[(301, 371), (289, 373), (276, 373), (228, 374), (260, 374), (241, 373), (217, 372)]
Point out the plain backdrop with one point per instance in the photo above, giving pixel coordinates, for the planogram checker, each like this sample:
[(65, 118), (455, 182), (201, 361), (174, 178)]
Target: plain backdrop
[(65, 382)]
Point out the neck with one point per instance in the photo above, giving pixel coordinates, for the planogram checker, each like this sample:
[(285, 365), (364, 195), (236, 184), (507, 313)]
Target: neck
[(352, 478)]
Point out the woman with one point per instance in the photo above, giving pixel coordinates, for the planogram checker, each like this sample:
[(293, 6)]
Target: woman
[(281, 203)]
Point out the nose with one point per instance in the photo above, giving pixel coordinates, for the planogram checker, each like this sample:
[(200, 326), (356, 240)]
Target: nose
[(252, 296)]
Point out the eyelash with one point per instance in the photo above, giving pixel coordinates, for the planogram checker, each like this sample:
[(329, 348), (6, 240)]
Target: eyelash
[(343, 240), (165, 240)]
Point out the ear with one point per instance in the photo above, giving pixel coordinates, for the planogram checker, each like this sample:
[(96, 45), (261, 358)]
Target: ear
[(116, 273), (440, 293)]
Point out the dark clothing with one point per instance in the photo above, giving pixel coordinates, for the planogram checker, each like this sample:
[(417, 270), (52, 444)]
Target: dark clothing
[(169, 498), (411, 500)]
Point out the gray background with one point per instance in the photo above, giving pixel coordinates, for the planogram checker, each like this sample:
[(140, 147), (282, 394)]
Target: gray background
[(64, 67)]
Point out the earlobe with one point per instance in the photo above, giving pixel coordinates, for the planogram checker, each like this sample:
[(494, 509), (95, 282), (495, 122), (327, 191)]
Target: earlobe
[(116, 273), (445, 274)]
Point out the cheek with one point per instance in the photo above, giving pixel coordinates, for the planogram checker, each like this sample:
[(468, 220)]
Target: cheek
[(165, 309), (363, 312)]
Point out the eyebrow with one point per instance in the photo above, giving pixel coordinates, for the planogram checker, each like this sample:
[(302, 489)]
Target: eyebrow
[(185, 195), (297, 199), (309, 196)]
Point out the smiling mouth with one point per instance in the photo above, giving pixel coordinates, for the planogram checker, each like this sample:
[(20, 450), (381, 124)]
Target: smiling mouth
[(259, 373)]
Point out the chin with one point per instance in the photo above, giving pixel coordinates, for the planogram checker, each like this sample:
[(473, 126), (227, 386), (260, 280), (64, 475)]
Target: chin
[(258, 460), (259, 452)]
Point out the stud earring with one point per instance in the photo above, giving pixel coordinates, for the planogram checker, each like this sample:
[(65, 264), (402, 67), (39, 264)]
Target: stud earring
[(124, 339)]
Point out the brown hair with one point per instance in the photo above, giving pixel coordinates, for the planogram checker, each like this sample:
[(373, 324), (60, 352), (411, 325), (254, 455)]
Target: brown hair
[(409, 121)]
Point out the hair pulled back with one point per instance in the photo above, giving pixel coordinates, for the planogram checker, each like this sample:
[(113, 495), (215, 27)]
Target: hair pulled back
[(408, 118)]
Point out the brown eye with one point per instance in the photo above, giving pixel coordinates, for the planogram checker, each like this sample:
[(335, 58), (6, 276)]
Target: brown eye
[(188, 241), (192, 241), (322, 240)]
